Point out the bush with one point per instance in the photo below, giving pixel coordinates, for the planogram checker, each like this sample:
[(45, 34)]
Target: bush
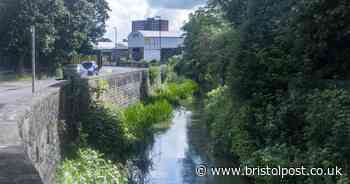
[(141, 118), (59, 72), (89, 167), (159, 111), (101, 87), (168, 72), (154, 62), (116, 132), (216, 114), (310, 129), (327, 129), (176, 92), (105, 130), (154, 74)]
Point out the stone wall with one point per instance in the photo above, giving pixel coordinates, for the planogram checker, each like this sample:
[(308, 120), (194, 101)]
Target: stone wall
[(124, 88), (30, 147), (40, 128), (45, 124), (133, 64)]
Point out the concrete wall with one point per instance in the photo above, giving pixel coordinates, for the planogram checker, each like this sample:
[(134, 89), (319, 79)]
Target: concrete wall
[(44, 124)]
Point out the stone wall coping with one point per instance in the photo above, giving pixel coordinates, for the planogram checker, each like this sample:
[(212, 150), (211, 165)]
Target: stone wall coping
[(109, 75)]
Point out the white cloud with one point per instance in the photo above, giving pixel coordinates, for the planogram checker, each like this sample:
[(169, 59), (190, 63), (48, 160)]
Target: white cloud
[(176, 4), (125, 11)]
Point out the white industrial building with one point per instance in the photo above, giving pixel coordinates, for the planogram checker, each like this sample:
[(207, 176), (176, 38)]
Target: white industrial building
[(154, 45)]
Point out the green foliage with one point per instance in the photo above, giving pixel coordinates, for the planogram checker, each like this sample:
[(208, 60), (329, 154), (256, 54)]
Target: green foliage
[(89, 167), (64, 28), (154, 75), (105, 130), (101, 87), (216, 109), (268, 54), (176, 92), (59, 72), (117, 132), (209, 44), (323, 29), (168, 72), (141, 118), (327, 128), (154, 62)]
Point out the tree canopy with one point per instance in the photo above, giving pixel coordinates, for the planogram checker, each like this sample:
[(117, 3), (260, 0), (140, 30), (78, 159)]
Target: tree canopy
[(64, 28), (275, 68)]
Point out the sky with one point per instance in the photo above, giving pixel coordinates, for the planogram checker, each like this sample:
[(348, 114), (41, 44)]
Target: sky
[(124, 11)]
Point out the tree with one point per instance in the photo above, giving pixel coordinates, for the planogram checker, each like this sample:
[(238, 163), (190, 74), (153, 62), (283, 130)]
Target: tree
[(64, 28), (278, 52), (208, 43)]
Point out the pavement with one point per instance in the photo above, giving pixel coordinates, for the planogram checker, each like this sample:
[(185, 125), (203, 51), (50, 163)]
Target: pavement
[(13, 92), (15, 167)]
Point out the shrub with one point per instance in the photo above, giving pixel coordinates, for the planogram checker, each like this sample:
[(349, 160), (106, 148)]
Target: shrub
[(159, 111), (106, 131), (101, 87), (168, 71), (141, 118), (154, 74), (89, 167), (115, 132), (327, 129), (311, 129), (59, 72), (136, 119), (154, 62), (176, 92), (218, 117)]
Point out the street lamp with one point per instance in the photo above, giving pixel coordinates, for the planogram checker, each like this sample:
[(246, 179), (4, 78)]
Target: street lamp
[(116, 37), (32, 30)]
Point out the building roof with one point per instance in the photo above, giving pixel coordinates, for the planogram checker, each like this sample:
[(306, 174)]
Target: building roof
[(162, 33)]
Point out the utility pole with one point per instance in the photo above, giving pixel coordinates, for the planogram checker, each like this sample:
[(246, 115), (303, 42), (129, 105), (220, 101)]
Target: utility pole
[(160, 41), (116, 37), (160, 36), (32, 29)]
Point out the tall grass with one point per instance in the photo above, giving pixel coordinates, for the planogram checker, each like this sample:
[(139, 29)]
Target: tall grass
[(175, 93), (89, 167)]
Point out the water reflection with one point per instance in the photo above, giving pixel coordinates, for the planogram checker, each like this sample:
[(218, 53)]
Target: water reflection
[(174, 155)]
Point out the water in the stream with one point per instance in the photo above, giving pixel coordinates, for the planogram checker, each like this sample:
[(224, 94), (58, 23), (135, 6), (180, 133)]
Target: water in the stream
[(175, 153)]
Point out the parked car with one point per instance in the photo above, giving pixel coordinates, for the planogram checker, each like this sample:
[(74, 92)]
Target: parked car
[(90, 68)]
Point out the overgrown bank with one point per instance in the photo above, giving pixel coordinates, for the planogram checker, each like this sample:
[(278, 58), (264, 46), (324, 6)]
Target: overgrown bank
[(272, 71), (111, 136)]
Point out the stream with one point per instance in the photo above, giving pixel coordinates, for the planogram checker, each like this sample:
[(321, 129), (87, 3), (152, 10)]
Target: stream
[(176, 152)]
